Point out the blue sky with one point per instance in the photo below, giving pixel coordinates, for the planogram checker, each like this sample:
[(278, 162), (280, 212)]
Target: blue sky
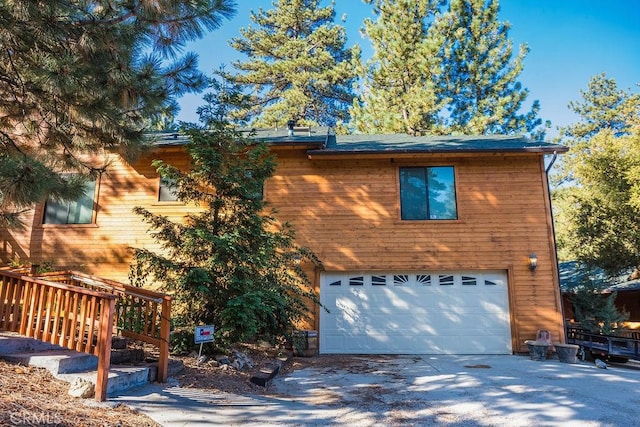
[(569, 41)]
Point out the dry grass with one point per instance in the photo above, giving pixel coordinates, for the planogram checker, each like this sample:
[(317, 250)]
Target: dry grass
[(33, 397)]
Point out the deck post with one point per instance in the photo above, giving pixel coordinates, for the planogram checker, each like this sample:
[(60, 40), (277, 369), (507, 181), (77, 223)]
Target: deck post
[(104, 347), (165, 332)]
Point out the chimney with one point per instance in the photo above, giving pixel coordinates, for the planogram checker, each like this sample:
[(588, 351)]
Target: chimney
[(290, 125)]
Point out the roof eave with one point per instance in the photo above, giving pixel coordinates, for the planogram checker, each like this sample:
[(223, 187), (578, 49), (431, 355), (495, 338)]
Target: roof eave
[(391, 153)]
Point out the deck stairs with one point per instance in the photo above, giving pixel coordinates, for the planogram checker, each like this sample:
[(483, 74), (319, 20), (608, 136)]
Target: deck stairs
[(69, 365)]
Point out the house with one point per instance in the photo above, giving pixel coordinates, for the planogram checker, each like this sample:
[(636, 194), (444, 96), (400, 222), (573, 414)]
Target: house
[(427, 243), (626, 287)]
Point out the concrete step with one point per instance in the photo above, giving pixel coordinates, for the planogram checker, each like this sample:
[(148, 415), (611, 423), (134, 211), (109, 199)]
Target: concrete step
[(60, 361), (11, 342), (67, 365), (121, 378)]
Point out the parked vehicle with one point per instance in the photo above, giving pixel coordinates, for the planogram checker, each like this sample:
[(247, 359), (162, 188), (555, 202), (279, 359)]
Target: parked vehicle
[(616, 348)]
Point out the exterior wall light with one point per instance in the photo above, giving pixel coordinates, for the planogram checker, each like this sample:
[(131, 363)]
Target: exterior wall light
[(533, 261)]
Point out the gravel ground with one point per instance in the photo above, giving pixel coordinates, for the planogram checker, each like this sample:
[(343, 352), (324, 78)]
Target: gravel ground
[(413, 390)]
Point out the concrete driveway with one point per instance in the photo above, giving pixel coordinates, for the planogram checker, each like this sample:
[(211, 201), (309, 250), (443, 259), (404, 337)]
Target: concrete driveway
[(416, 391)]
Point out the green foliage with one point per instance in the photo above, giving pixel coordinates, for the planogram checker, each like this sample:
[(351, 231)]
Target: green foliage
[(400, 91), (595, 310), (297, 66), (182, 341), (603, 106), (597, 208), (232, 264), (442, 68), (86, 78), (480, 73)]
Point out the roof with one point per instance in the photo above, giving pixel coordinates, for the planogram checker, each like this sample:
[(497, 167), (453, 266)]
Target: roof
[(572, 273), (321, 141), (168, 139), (402, 143)]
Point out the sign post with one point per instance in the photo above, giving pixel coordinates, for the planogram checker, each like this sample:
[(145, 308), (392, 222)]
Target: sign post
[(203, 334)]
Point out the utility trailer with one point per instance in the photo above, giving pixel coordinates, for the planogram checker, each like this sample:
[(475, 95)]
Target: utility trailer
[(619, 348)]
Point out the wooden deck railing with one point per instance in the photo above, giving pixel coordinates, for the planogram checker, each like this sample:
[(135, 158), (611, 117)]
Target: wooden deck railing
[(140, 314), (77, 318)]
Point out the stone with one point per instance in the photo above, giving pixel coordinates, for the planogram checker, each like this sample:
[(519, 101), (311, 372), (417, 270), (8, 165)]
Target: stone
[(222, 359), (81, 388), (243, 359), (118, 343)]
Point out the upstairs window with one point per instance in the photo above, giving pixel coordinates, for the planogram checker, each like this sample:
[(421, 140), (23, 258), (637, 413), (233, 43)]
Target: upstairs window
[(428, 193), (168, 190), (79, 211)]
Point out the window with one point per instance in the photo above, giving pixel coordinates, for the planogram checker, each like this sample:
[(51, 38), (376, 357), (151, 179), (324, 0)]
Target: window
[(428, 193), (77, 212), (445, 280), (167, 191), (378, 280), (356, 281)]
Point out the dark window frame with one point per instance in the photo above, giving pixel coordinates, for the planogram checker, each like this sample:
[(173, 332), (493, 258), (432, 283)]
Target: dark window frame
[(427, 209)]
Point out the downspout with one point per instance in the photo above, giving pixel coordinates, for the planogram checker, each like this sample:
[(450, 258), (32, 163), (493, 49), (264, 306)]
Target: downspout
[(555, 244), (553, 160)]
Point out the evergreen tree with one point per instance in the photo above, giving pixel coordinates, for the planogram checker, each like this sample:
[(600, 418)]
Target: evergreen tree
[(597, 208), (595, 310), (603, 106), (400, 92), (297, 66), (480, 74), (80, 78), (232, 264)]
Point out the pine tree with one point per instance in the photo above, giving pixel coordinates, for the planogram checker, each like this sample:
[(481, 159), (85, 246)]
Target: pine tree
[(400, 93), (599, 202), (232, 265), (480, 73), (297, 66), (82, 78), (603, 106), (595, 310)]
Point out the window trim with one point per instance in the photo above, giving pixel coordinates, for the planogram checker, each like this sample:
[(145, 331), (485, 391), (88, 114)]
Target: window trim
[(420, 166)]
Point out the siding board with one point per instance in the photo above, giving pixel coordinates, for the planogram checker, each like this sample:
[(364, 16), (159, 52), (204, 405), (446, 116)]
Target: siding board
[(347, 212)]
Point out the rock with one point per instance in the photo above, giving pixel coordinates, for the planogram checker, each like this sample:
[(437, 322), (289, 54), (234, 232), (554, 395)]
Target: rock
[(600, 364), (222, 359), (243, 359), (118, 343), (201, 359), (237, 364), (81, 388)]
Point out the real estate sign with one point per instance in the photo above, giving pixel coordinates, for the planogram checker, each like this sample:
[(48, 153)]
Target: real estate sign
[(204, 334)]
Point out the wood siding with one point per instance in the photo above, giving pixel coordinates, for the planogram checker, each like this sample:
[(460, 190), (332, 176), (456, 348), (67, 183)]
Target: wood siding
[(347, 211)]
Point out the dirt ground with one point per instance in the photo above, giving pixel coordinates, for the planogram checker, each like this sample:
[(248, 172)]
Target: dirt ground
[(32, 396)]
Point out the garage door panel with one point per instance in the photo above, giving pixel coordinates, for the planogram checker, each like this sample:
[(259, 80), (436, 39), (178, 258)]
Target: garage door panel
[(422, 313)]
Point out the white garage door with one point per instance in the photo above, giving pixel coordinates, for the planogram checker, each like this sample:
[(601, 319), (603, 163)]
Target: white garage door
[(415, 313)]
